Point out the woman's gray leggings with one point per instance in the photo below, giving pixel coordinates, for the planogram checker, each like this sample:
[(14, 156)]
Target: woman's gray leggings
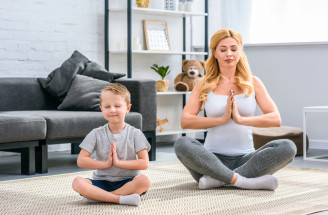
[(266, 160)]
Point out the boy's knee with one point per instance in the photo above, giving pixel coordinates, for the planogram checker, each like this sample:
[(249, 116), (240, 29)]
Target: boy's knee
[(143, 181), (77, 184)]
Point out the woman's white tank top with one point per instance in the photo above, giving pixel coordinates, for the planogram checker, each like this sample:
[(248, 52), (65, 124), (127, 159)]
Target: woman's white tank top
[(230, 139)]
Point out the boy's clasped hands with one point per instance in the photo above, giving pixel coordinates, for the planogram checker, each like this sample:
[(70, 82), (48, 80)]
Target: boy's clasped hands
[(112, 157)]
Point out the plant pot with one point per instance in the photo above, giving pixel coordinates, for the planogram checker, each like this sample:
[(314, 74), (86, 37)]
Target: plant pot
[(162, 85), (143, 3)]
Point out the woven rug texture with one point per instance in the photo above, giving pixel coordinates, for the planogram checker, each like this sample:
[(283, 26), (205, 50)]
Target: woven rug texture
[(173, 191)]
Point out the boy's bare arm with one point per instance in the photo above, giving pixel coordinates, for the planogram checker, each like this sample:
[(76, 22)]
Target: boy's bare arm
[(84, 161), (140, 164)]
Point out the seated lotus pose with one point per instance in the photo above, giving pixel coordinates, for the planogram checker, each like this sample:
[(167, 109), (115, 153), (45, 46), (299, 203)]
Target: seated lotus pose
[(121, 151), (229, 94)]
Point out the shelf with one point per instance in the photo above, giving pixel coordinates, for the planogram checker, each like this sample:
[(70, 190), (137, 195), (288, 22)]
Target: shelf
[(157, 52), (316, 109), (159, 12), (178, 131), (173, 93)]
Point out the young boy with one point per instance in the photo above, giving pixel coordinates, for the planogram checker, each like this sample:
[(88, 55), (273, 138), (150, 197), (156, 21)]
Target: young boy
[(117, 177)]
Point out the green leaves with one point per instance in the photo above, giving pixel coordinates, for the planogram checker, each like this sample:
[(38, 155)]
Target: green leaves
[(162, 71)]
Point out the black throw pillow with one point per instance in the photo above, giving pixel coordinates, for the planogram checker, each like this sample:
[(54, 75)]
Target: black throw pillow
[(94, 70), (84, 94), (59, 81)]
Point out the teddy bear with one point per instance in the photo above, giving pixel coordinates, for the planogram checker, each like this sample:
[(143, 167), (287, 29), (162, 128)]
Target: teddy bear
[(185, 81)]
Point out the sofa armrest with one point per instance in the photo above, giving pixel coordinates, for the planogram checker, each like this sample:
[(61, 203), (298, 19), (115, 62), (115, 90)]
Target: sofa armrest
[(143, 100)]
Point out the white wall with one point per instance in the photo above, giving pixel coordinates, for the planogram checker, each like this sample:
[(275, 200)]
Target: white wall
[(295, 76), (37, 36)]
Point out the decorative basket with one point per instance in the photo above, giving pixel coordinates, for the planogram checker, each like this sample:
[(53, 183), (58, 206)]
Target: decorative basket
[(163, 85), (143, 3)]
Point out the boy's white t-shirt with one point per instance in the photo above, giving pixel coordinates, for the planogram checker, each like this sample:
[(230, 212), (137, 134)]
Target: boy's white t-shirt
[(130, 141)]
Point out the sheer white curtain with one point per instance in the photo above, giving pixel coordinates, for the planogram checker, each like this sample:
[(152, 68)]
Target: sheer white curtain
[(276, 21), (236, 15)]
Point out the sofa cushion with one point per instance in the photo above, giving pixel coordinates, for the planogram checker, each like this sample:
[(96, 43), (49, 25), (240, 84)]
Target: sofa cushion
[(84, 94), (94, 70), (59, 81), (21, 127), (71, 124)]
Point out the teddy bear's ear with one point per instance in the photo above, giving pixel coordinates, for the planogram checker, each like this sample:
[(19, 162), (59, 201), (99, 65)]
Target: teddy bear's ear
[(184, 62), (202, 62)]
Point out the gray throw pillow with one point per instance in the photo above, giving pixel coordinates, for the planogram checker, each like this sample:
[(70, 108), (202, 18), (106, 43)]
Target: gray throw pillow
[(94, 70), (84, 94), (59, 81)]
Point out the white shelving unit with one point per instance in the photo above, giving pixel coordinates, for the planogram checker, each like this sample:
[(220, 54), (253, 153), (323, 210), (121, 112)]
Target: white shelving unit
[(173, 131), (130, 11)]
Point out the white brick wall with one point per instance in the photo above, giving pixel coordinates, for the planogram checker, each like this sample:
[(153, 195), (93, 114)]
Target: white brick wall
[(37, 36)]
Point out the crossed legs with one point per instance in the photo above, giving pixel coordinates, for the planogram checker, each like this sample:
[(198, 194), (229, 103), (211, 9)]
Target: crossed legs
[(266, 160), (138, 185)]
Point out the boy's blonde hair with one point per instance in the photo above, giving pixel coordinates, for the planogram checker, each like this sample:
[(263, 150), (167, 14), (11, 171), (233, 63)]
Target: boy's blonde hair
[(117, 89)]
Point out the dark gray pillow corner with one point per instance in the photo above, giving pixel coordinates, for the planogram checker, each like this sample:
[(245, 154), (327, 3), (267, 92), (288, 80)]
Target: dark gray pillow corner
[(59, 80), (96, 71), (84, 94)]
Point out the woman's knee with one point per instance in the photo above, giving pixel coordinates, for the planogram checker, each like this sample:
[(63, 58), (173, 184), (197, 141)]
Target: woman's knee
[(291, 146), (288, 147), (182, 144)]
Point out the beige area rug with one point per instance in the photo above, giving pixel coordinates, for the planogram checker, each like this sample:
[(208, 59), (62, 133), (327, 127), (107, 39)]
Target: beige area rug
[(173, 191)]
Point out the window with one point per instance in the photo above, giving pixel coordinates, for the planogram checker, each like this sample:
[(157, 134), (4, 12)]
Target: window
[(277, 21)]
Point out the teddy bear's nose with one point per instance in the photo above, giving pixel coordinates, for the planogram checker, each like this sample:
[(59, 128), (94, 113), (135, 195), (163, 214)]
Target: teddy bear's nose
[(192, 73)]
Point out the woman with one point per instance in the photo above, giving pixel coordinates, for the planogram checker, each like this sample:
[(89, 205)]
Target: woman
[(229, 94)]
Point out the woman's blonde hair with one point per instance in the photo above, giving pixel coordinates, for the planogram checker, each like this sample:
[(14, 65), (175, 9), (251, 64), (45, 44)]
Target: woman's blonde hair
[(213, 75)]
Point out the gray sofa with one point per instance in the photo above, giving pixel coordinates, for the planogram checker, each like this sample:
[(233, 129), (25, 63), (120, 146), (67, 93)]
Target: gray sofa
[(30, 120)]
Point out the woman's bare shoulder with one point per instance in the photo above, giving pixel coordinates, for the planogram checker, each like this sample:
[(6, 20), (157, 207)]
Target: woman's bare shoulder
[(256, 81)]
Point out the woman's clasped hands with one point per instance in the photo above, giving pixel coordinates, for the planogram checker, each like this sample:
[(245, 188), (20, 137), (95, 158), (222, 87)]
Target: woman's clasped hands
[(231, 110)]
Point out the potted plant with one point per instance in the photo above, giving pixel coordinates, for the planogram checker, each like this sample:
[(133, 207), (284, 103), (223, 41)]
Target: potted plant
[(162, 85), (143, 3)]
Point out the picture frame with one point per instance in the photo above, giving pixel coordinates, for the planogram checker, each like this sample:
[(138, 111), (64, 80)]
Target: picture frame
[(156, 35)]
